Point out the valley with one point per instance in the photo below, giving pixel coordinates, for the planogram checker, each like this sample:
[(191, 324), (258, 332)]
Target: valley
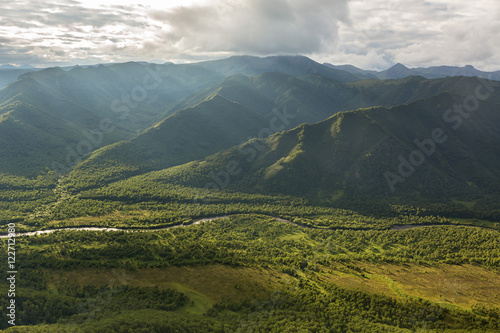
[(251, 194)]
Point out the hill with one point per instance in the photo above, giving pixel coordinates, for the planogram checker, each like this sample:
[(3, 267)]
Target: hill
[(410, 153), (213, 125)]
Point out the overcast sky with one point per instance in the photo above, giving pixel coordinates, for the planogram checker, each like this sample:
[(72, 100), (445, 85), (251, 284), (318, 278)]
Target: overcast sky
[(371, 34)]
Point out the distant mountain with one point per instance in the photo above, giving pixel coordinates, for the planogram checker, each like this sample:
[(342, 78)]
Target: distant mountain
[(357, 156), (291, 65), (440, 71), (66, 103), (354, 70), (8, 66), (400, 71), (397, 71)]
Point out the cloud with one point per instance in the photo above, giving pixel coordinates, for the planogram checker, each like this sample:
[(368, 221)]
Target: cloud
[(148, 32), (372, 34), (419, 33), (254, 26), (67, 32)]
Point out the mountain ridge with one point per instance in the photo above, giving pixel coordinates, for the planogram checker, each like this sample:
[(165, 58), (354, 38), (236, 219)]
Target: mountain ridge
[(299, 100), (399, 71), (348, 156)]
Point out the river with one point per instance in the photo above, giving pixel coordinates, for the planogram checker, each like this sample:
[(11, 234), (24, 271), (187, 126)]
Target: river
[(208, 219)]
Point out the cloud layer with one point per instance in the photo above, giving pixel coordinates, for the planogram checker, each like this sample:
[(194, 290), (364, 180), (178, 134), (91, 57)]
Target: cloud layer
[(421, 33), (367, 33), (254, 26)]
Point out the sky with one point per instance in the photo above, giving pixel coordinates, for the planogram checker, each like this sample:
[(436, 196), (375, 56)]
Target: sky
[(370, 34)]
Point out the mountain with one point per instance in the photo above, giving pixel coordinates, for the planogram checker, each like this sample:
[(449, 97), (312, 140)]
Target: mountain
[(291, 65), (7, 66), (354, 70), (411, 153), (8, 76), (397, 71), (213, 125), (278, 101), (313, 98), (10, 73), (10, 67), (216, 198), (68, 104), (440, 71), (273, 102), (400, 71), (54, 118), (308, 99)]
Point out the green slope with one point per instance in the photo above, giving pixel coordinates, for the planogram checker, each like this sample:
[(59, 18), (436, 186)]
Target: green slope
[(314, 98), (46, 116), (213, 125), (279, 102), (351, 153)]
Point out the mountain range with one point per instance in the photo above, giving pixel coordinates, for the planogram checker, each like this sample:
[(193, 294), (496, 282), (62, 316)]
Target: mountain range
[(290, 125), (399, 71), (298, 66), (9, 67)]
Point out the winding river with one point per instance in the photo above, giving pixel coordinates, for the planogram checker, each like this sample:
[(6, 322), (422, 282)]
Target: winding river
[(208, 219)]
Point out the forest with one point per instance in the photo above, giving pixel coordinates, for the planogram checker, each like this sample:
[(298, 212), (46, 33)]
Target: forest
[(302, 257)]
